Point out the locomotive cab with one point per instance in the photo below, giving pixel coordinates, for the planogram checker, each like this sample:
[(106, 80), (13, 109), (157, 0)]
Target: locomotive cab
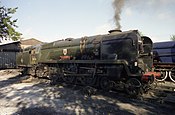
[(28, 56)]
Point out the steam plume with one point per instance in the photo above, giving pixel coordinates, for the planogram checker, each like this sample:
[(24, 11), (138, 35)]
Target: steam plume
[(118, 4)]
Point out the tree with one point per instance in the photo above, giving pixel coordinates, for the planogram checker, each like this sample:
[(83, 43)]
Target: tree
[(172, 37), (141, 33), (7, 24)]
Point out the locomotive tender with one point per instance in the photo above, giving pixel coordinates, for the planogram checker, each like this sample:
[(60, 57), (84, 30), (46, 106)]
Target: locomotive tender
[(117, 59), (164, 59)]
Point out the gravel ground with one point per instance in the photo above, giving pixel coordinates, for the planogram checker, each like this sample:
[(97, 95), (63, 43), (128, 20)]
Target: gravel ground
[(22, 96)]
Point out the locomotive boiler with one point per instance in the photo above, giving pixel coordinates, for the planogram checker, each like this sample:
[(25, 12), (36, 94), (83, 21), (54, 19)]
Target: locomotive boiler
[(117, 59)]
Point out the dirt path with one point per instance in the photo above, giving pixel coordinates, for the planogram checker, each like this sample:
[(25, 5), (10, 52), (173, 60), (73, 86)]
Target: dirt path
[(39, 98)]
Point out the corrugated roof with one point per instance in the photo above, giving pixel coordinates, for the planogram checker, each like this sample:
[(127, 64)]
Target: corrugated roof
[(10, 42)]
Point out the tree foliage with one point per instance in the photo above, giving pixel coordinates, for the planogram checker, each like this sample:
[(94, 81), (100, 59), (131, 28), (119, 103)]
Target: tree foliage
[(141, 33), (172, 37), (7, 24)]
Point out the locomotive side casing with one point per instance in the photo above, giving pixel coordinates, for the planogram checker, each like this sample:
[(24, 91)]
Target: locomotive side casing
[(75, 49), (124, 46)]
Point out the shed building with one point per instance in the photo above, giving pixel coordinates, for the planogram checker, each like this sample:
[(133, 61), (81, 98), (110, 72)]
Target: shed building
[(8, 52)]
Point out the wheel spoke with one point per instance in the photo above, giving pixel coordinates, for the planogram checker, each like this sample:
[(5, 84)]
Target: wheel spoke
[(105, 84), (133, 86)]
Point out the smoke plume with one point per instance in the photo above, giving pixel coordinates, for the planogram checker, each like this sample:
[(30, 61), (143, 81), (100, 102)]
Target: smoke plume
[(118, 5)]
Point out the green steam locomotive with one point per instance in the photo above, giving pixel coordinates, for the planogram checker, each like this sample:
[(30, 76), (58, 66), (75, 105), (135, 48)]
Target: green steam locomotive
[(115, 60)]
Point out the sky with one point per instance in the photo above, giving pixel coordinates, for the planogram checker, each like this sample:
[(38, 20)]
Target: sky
[(51, 20)]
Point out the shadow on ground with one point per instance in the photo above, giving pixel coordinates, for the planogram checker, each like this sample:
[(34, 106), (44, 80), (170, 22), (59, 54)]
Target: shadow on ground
[(43, 99)]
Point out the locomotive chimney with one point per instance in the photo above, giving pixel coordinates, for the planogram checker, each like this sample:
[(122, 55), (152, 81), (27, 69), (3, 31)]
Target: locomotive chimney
[(114, 31)]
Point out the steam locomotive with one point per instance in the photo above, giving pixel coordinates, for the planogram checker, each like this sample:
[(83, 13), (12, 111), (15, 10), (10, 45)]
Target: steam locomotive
[(164, 59), (118, 59)]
